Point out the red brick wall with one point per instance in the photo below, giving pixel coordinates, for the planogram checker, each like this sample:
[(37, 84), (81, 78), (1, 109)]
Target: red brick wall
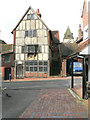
[(14, 37), (2, 73), (12, 72), (10, 63), (85, 15), (63, 71), (36, 75)]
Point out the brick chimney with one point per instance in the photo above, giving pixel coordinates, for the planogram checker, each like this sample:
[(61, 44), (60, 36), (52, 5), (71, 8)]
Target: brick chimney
[(38, 13)]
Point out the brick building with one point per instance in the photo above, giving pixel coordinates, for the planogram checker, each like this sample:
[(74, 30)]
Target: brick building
[(7, 60), (83, 51), (35, 46)]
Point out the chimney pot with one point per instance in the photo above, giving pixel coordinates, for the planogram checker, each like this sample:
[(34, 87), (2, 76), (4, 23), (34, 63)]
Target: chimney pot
[(37, 11)]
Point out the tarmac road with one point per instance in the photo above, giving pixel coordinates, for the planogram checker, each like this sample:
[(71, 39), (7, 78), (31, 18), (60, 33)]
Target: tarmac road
[(24, 93)]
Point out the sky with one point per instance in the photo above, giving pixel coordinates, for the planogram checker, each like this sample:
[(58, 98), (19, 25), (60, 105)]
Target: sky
[(57, 15)]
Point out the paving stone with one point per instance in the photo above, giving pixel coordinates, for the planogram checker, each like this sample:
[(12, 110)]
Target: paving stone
[(54, 103)]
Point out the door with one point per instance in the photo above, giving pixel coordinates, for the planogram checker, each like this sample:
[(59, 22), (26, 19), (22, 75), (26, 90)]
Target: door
[(7, 72), (19, 71)]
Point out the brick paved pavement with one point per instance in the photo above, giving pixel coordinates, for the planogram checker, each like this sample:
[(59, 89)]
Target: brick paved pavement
[(55, 103)]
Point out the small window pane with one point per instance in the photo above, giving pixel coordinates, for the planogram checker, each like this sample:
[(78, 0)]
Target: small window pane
[(31, 63), (40, 63), (30, 33), (22, 49), (40, 69), (27, 63), (35, 63), (45, 69), (39, 49), (30, 16), (27, 68), (31, 49), (31, 69), (26, 33), (45, 62), (35, 68), (26, 48), (7, 58), (34, 33)]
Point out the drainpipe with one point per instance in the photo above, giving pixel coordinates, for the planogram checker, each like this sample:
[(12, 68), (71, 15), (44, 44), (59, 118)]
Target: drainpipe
[(89, 69)]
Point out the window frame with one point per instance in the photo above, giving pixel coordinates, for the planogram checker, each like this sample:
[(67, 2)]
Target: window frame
[(6, 57), (30, 16)]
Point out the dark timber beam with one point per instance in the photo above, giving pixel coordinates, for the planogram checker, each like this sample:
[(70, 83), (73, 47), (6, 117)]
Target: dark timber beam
[(84, 88), (72, 75)]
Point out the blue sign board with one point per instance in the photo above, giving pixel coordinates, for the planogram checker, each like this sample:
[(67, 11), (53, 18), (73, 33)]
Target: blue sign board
[(77, 67)]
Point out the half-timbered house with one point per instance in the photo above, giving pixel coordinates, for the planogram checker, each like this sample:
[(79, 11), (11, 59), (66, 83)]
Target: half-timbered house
[(31, 40)]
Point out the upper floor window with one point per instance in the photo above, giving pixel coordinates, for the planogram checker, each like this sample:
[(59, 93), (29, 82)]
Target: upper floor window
[(31, 33), (7, 58), (30, 16), (26, 33), (30, 49), (34, 33)]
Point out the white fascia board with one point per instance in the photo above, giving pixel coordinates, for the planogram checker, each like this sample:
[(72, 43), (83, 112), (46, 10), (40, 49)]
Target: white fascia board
[(85, 51)]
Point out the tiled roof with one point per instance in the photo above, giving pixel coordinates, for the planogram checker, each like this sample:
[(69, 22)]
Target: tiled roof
[(68, 48), (2, 42), (5, 48)]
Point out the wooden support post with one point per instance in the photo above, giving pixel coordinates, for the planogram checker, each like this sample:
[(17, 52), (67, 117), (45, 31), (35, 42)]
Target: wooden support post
[(84, 88), (72, 75)]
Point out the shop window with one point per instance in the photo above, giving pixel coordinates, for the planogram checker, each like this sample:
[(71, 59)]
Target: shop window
[(31, 62), (40, 69), (31, 69), (40, 63), (27, 63), (35, 62), (27, 68), (45, 69), (35, 68), (45, 63)]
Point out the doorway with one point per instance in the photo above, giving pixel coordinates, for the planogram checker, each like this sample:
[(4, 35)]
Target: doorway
[(19, 71), (7, 72)]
